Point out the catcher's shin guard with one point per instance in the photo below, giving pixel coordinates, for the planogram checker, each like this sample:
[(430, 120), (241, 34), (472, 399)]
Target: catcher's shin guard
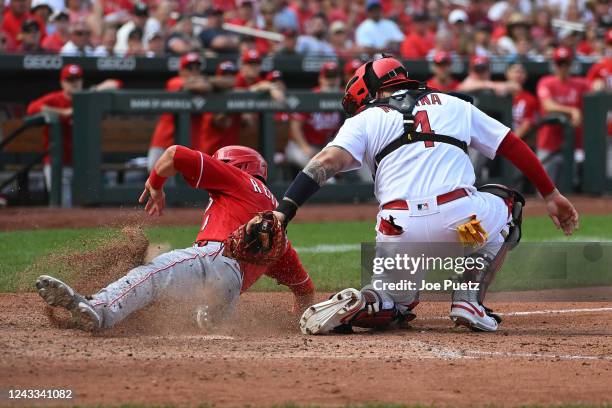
[(351, 308), (331, 314)]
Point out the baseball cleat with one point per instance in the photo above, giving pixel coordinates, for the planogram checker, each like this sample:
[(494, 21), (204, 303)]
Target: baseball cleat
[(331, 314), (58, 294), (474, 316)]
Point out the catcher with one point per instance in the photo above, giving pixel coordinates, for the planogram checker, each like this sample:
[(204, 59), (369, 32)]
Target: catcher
[(235, 177), (414, 141)]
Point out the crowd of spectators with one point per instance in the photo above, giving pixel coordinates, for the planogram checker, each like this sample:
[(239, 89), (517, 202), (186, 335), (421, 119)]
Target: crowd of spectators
[(525, 29)]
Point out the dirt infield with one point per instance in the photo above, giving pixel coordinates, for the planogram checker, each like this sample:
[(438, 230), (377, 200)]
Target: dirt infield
[(536, 358), (42, 217)]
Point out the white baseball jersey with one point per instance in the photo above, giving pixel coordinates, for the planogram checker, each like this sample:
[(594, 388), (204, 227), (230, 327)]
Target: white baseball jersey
[(422, 169)]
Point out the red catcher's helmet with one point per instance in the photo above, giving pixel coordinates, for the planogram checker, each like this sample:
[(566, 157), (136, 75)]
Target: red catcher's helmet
[(245, 158), (371, 77)]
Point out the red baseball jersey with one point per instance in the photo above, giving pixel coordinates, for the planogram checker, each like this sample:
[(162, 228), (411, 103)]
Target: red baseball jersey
[(525, 107), (235, 197), (163, 136), (568, 93), (57, 99), (603, 71), (451, 86), (319, 127)]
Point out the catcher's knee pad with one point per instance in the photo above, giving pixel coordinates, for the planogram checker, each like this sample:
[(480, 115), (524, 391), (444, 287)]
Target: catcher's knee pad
[(515, 202), (376, 313)]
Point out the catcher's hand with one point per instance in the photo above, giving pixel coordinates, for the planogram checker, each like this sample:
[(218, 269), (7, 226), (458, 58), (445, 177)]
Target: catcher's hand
[(261, 241)]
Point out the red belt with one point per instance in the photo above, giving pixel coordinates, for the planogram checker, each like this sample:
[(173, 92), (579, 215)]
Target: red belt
[(441, 199)]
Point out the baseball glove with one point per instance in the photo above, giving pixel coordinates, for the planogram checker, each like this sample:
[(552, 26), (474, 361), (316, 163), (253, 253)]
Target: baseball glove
[(264, 242)]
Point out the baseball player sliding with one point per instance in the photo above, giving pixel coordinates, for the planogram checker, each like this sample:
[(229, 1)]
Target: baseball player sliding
[(414, 141), (235, 178)]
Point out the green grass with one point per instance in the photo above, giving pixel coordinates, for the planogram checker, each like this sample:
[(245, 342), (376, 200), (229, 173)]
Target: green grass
[(334, 270)]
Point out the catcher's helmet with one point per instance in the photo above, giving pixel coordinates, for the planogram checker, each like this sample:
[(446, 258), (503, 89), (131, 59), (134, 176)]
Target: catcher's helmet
[(245, 158), (371, 77)]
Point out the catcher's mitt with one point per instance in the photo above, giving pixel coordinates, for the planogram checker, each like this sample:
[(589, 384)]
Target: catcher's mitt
[(265, 243)]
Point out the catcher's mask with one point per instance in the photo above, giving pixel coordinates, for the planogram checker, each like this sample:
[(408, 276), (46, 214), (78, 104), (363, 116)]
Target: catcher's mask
[(245, 158), (371, 77)]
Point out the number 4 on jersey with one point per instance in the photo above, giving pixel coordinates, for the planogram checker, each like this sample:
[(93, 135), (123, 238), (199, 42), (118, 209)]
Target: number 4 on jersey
[(421, 119)]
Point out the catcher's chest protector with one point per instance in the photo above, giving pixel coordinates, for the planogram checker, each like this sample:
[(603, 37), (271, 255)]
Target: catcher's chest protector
[(405, 103)]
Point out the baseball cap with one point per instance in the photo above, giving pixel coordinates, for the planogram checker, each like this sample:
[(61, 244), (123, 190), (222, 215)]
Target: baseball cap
[(29, 26), (351, 66), (190, 58), (71, 71), (213, 11), (372, 4), (274, 75), (140, 9), (226, 67), (330, 70), (563, 54), (61, 14), (457, 15), (479, 62), (442, 57), (41, 3), (250, 56), (337, 26)]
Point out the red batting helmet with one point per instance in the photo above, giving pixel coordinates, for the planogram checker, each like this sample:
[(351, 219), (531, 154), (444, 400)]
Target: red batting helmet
[(245, 158), (371, 77)]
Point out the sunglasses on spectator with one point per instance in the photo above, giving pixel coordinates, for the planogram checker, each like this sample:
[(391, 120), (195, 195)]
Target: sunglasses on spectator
[(443, 63), (563, 63), (82, 32), (255, 62)]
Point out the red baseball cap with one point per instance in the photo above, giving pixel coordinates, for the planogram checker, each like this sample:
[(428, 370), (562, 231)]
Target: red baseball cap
[(330, 70), (563, 54), (71, 71), (351, 66), (251, 55), (226, 67), (190, 58), (479, 61), (442, 57)]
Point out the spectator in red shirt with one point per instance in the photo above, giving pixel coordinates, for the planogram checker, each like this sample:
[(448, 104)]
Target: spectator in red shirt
[(442, 78), (245, 15), (190, 79), (560, 93), (221, 129), (310, 132), (60, 103), (419, 41), (600, 80), (525, 106), (54, 42), (525, 114), (14, 17), (29, 37), (600, 74)]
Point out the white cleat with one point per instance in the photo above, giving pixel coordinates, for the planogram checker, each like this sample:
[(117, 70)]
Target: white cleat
[(474, 316), (324, 317), (58, 294)]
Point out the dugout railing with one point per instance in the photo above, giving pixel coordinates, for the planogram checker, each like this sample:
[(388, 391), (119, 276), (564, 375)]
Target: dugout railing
[(20, 162), (90, 108)]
